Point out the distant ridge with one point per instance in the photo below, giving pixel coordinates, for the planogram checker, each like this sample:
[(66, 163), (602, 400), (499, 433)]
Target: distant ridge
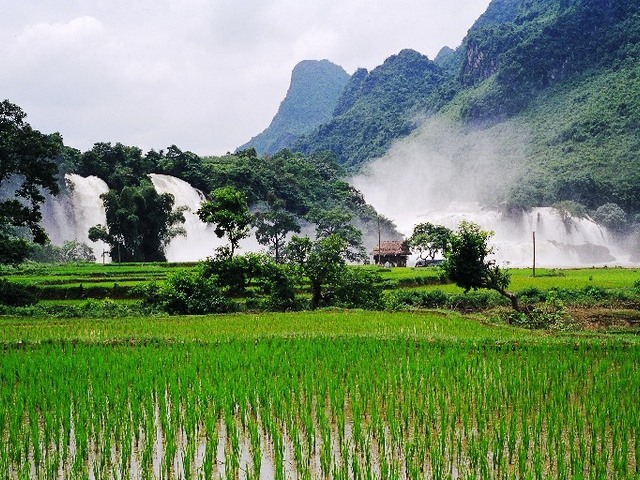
[(316, 86)]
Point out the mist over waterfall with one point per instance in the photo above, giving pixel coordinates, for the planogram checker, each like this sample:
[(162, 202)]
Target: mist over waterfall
[(201, 240), (70, 215), (444, 175)]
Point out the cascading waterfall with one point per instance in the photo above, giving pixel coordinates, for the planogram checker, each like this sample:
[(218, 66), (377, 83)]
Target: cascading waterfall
[(70, 215), (200, 241), (561, 240)]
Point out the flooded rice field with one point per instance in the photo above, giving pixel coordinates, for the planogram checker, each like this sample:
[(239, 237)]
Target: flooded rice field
[(319, 408)]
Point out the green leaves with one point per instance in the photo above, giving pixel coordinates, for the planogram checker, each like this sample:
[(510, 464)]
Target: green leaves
[(140, 223), (27, 167), (429, 239), (227, 209), (467, 265)]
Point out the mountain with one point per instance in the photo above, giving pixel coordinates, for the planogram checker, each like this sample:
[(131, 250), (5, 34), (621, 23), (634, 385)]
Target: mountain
[(566, 72), (315, 88), (378, 106)]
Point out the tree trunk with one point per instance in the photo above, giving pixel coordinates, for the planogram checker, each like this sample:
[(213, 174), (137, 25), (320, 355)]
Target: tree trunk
[(512, 297), (316, 294)]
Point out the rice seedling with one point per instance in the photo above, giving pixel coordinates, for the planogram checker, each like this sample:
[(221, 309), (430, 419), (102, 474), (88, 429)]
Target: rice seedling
[(179, 400)]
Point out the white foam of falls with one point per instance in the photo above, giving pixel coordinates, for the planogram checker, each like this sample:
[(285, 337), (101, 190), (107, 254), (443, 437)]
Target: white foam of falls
[(561, 240), (200, 241), (69, 215)]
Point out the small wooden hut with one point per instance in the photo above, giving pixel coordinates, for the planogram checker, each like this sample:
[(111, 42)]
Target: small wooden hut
[(393, 253)]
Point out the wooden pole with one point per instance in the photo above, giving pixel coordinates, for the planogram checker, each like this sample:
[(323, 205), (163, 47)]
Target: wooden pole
[(379, 241), (534, 254)]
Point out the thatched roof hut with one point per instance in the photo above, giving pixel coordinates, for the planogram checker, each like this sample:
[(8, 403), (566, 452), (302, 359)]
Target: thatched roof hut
[(392, 252)]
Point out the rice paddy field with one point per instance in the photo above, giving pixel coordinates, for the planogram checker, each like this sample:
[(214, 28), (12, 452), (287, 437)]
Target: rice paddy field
[(313, 395)]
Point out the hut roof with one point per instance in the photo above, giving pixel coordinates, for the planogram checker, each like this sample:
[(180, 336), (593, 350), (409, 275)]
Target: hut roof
[(392, 247)]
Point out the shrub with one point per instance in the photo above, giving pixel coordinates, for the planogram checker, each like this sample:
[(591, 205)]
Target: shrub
[(357, 288), (17, 295), (192, 293), (436, 298), (551, 315), (277, 282)]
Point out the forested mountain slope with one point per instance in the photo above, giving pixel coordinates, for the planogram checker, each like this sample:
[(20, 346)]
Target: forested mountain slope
[(378, 106), (564, 71)]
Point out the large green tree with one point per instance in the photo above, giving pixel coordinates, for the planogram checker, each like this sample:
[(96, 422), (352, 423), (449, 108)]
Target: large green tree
[(140, 223), (337, 221), (428, 239), (272, 227), (27, 169), (228, 210), (467, 263)]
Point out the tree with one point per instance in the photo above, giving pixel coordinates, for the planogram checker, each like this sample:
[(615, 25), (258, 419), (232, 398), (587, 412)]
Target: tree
[(467, 265), (140, 223), (337, 222), (27, 168), (297, 251), (332, 281), (118, 165), (227, 209), (429, 239), (324, 267), (273, 226), (612, 216)]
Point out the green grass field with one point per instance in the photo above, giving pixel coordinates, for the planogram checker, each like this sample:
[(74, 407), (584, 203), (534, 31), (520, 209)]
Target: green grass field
[(325, 394)]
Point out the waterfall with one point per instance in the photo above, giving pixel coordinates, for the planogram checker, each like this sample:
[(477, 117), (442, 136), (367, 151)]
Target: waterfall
[(69, 215), (201, 240), (561, 240)]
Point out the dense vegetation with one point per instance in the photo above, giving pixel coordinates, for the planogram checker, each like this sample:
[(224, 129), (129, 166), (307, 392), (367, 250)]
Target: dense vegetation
[(140, 222), (27, 170)]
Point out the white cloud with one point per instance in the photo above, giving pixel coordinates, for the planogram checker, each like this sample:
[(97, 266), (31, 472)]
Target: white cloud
[(73, 31), (205, 75)]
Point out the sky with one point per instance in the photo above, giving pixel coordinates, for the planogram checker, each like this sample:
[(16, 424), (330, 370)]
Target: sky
[(205, 75)]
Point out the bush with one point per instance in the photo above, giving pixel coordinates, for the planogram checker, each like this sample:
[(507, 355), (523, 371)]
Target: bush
[(17, 295), (551, 315), (278, 284), (232, 273), (190, 293), (472, 301), (359, 288)]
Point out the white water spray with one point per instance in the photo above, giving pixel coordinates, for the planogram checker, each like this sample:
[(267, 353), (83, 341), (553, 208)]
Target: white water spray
[(444, 175), (201, 240), (70, 215)]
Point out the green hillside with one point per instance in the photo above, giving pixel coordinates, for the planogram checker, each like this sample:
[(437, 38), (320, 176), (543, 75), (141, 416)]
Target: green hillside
[(380, 106)]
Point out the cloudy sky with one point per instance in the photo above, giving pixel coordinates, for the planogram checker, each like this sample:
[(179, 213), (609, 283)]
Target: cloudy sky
[(205, 75)]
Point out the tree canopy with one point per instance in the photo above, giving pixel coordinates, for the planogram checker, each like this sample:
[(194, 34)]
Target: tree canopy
[(140, 223), (272, 227), (27, 168), (467, 263), (228, 211), (429, 239)]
